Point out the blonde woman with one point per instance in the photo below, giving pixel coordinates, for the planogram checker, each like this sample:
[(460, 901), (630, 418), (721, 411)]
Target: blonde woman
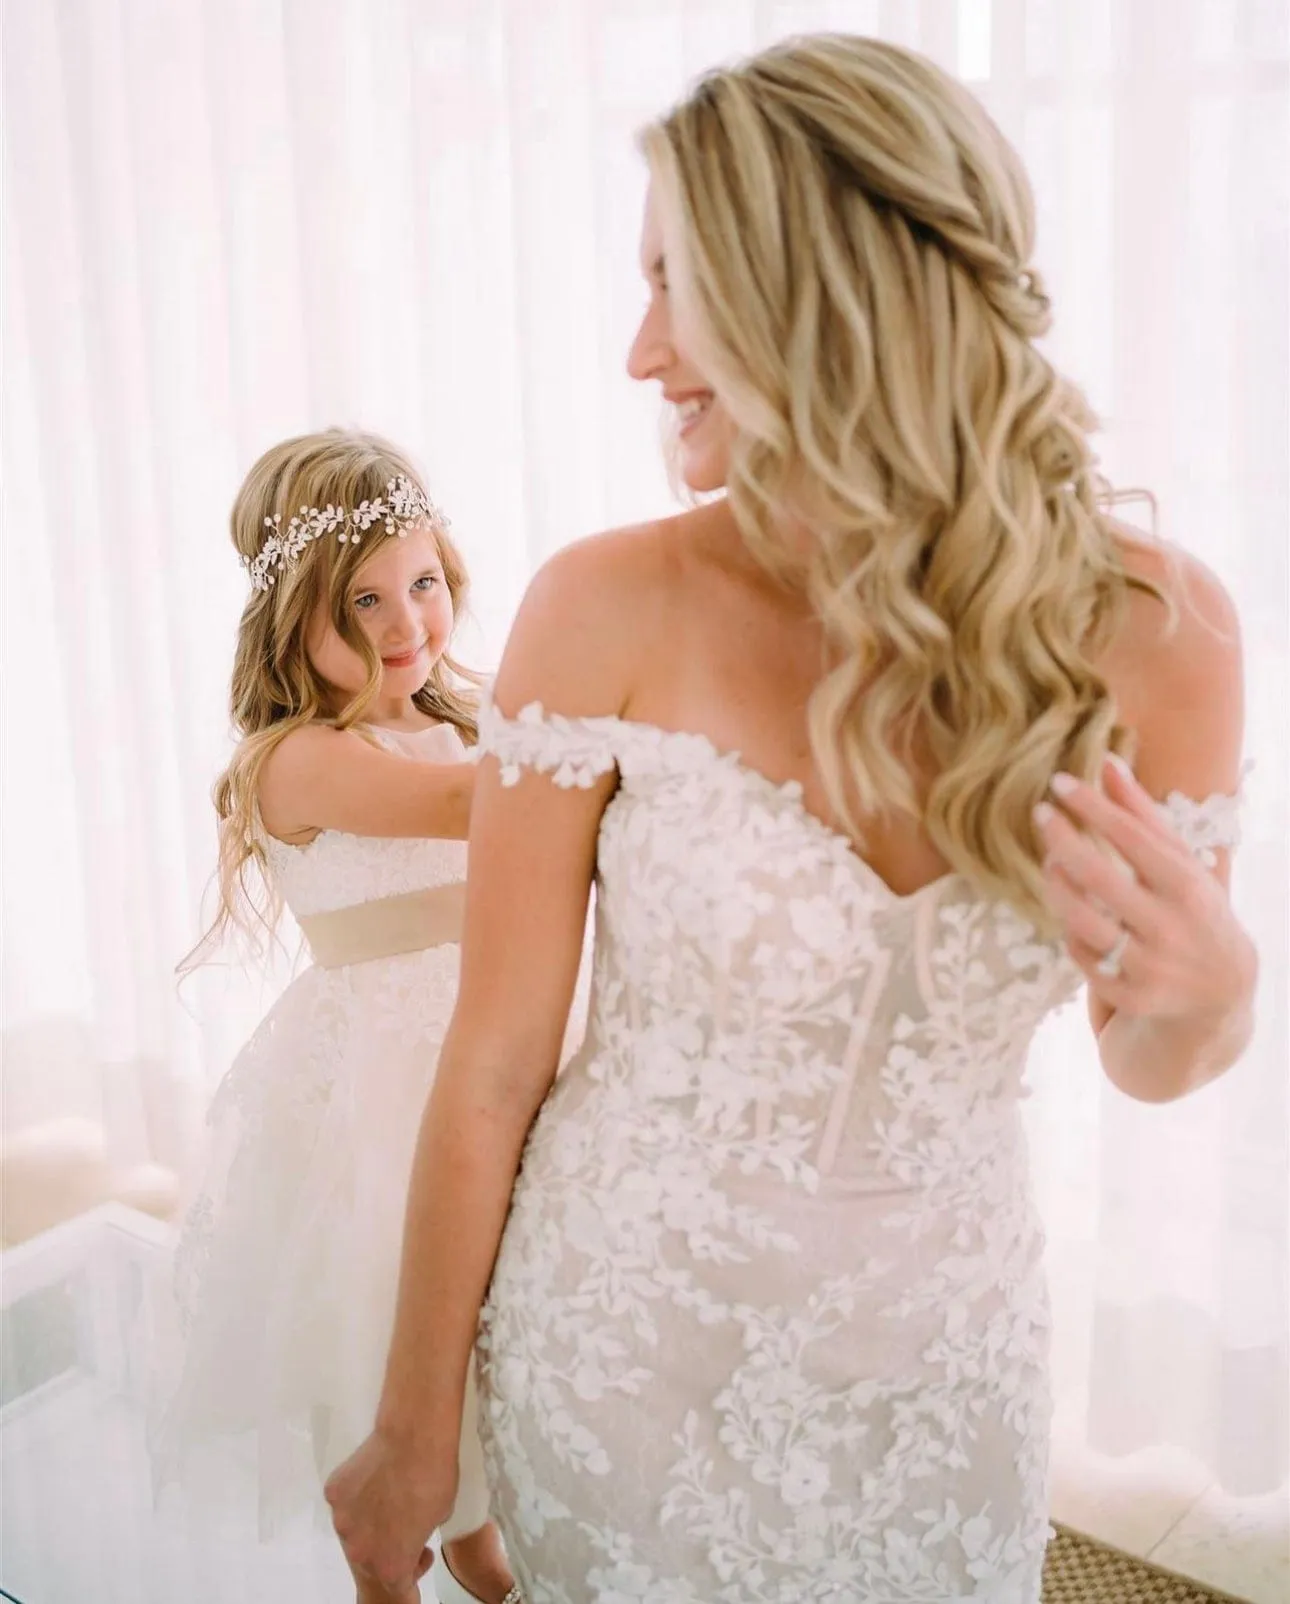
[(846, 752), (347, 798)]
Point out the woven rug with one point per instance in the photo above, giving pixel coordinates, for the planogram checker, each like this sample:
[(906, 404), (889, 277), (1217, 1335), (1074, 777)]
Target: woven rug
[(1079, 1570)]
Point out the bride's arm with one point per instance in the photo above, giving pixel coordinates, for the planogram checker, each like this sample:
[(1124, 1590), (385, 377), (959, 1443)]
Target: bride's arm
[(532, 862)]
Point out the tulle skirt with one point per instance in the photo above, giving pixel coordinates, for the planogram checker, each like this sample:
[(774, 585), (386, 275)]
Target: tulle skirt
[(273, 1334)]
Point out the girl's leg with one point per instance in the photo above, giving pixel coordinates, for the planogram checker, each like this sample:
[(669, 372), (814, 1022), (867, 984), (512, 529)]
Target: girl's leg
[(472, 1545), (478, 1561)]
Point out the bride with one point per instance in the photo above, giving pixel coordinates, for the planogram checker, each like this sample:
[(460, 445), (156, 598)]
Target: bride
[(873, 760)]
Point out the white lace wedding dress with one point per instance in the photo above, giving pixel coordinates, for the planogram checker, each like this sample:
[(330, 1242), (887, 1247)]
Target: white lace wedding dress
[(287, 1266), (768, 1324)]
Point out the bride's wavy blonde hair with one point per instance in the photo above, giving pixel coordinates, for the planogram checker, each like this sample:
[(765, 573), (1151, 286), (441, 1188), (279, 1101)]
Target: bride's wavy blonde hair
[(275, 687), (848, 241)]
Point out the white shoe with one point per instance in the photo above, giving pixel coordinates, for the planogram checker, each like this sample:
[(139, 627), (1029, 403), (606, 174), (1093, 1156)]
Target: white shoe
[(448, 1590)]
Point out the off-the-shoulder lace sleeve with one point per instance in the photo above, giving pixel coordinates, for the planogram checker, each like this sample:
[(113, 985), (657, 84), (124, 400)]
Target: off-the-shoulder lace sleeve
[(1209, 826), (575, 752)]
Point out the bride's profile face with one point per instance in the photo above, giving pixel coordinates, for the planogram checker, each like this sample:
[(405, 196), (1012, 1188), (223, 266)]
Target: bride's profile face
[(703, 428)]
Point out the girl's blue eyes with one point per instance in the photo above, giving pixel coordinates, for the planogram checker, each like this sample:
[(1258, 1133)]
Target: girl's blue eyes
[(369, 598)]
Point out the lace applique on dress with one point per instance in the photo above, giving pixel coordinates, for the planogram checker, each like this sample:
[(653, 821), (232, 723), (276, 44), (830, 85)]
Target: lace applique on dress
[(1209, 826), (768, 1322), (575, 752)]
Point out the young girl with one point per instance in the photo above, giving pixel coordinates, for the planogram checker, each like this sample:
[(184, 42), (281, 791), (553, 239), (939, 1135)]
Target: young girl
[(347, 800)]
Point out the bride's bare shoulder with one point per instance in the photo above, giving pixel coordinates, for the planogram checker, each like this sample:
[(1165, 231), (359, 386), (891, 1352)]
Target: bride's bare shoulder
[(1179, 607), (593, 614), (1176, 667), (621, 561)]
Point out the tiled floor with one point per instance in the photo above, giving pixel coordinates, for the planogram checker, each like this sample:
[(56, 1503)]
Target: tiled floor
[(1239, 1544), (1159, 1504)]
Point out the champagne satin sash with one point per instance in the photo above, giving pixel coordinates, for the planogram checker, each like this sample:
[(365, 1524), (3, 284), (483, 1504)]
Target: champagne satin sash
[(386, 928)]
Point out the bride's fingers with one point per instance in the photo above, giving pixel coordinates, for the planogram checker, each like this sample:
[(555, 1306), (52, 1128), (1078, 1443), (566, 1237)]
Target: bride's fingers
[(1094, 875), (1122, 787), (1152, 851), (372, 1592), (1084, 923)]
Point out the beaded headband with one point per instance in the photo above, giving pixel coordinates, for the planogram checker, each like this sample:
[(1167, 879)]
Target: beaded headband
[(403, 504)]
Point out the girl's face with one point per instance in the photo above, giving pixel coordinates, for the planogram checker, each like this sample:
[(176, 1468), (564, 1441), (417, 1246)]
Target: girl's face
[(704, 428), (400, 598)]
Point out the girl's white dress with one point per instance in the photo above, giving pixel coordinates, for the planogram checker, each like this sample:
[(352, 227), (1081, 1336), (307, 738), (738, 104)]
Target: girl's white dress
[(286, 1270)]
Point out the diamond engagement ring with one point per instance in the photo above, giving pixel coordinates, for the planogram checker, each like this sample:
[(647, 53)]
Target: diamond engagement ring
[(1112, 964)]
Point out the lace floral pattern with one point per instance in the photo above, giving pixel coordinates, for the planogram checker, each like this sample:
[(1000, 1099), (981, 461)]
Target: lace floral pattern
[(1210, 826), (768, 1321)]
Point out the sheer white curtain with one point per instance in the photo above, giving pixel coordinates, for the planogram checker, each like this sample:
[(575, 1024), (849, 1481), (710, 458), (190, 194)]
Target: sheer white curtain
[(226, 222)]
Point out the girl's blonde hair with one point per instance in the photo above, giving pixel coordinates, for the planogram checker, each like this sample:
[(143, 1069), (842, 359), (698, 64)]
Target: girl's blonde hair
[(276, 687), (849, 239)]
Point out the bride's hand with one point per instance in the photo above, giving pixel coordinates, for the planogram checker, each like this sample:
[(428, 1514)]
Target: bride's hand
[(1161, 941), (386, 1500)]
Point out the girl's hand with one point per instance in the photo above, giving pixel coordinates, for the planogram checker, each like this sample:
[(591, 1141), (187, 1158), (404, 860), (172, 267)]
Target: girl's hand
[(385, 1502), (1159, 941)]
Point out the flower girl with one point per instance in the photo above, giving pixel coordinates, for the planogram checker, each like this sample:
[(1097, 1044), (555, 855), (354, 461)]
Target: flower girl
[(347, 800)]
